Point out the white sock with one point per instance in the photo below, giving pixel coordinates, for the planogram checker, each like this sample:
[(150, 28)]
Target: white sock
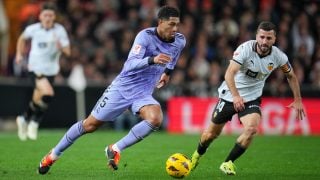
[(53, 155), (115, 148)]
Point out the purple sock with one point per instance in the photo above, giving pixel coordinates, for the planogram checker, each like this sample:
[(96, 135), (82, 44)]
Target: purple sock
[(136, 134), (69, 137)]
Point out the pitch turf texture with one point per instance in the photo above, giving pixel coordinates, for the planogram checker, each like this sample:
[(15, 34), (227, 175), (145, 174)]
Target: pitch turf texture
[(269, 157)]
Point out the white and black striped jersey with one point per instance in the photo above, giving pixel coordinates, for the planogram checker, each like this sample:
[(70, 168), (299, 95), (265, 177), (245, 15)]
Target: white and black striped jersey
[(44, 54), (254, 71)]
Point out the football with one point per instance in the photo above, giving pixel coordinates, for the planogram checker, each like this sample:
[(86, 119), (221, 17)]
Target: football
[(178, 165)]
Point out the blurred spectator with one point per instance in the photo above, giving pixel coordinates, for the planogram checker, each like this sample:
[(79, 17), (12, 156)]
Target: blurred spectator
[(301, 36), (315, 75), (215, 79), (4, 39), (226, 26)]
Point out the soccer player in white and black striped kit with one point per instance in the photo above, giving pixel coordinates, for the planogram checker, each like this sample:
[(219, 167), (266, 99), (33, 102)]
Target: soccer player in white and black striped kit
[(240, 93), (48, 41)]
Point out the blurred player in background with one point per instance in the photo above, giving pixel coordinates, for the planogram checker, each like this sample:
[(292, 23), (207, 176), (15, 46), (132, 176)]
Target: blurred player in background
[(48, 41), (151, 60), (240, 93)]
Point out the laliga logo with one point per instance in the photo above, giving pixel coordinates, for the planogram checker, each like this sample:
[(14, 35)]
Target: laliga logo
[(276, 120)]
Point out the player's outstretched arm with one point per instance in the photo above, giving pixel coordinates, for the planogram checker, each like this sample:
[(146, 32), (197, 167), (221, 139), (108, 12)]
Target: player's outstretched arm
[(66, 51), (164, 79), (21, 44), (232, 69), (295, 88)]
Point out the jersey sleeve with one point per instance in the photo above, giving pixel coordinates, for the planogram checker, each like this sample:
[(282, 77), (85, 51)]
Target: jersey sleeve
[(284, 63), (240, 54), (182, 43), (28, 32), (283, 59), (63, 37), (136, 59)]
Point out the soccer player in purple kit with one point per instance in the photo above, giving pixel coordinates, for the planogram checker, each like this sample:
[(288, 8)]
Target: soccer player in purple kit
[(152, 58)]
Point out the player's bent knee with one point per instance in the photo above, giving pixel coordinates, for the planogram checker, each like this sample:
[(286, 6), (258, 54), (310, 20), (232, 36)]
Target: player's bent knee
[(89, 128), (153, 114), (251, 131), (47, 98), (156, 122), (154, 118), (90, 125), (210, 136), (45, 101)]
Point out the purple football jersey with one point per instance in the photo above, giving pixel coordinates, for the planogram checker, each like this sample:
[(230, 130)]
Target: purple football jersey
[(137, 77), (134, 86)]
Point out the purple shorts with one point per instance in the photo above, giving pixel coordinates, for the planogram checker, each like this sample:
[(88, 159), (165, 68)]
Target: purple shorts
[(111, 104)]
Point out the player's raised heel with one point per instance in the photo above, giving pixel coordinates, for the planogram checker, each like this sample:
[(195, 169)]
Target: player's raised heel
[(228, 168), (45, 164), (195, 160), (113, 158)]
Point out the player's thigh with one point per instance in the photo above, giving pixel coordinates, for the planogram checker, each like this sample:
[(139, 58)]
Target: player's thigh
[(44, 87), (144, 101), (250, 120), (223, 112), (110, 105), (151, 112), (148, 108), (251, 115)]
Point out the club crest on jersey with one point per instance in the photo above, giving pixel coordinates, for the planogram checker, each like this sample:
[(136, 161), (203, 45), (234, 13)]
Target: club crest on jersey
[(270, 66), (136, 49)]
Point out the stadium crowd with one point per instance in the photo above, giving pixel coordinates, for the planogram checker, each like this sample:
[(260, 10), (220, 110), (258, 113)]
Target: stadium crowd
[(102, 32)]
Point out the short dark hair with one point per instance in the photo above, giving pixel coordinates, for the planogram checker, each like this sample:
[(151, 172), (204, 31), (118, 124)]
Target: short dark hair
[(267, 26), (166, 12), (49, 6)]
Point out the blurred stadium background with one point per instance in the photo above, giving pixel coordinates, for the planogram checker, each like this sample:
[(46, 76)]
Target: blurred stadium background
[(102, 31)]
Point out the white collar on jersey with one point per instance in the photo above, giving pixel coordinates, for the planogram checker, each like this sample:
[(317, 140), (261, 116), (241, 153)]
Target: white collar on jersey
[(53, 26)]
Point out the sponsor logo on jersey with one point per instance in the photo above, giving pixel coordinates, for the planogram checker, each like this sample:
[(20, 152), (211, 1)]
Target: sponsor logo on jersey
[(42, 44), (251, 73)]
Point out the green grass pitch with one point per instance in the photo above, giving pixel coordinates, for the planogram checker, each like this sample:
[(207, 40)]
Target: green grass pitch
[(269, 157)]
